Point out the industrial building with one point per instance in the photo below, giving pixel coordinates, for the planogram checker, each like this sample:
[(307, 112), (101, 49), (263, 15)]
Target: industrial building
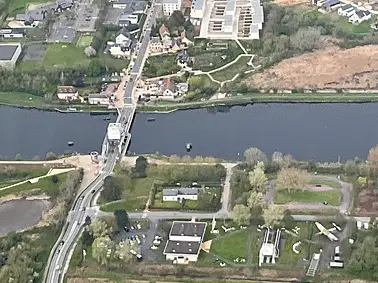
[(9, 53), (270, 249), (184, 241), (228, 19)]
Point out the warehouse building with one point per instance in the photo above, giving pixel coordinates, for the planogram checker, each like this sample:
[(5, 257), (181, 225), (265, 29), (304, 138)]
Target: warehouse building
[(9, 54)]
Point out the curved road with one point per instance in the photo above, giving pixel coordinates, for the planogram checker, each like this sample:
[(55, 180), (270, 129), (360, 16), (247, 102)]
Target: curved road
[(60, 254)]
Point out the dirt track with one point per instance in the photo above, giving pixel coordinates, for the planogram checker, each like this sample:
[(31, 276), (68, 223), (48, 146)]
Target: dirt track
[(332, 68)]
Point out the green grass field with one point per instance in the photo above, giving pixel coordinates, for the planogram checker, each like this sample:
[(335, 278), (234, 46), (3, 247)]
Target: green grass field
[(21, 175), (307, 196), (136, 198), (59, 55), (232, 245), (45, 185), (228, 73), (21, 99), (84, 40)]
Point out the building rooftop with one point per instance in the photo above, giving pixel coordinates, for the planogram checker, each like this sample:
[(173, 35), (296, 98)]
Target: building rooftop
[(12, 31), (7, 51), (180, 247), (66, 89), (171, 2), (198, 4), (180, 191), (186, 228), (97, 95)]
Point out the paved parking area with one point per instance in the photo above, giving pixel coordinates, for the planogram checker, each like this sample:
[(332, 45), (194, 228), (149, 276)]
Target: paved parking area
[(35, 52), (86, 15), (63, 30), (113, 16)]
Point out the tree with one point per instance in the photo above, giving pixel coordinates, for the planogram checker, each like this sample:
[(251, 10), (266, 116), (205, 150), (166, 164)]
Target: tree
[(112, 189), (176, 20), (95, 68), (373, 159), (350, 167), (141, 166), (256, 199), (257, 178), (306, 39), (241, 214), (273, 215), (18, 157), (126, 250), (54, 179), (100, 247), (277, 157), (90, 51), (253, 155), (87, 238), (292, 178), (50, 156), (122, 219), (364, 259), (99, 228)]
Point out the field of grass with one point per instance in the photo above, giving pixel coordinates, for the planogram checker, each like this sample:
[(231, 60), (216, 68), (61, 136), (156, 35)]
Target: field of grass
[(59, 55), (329, 183), (307, 196), (136, 198), (362, 28), (19, 175), (45, 185), (232, 245), (84, 40), (21, 99), (228, 73)]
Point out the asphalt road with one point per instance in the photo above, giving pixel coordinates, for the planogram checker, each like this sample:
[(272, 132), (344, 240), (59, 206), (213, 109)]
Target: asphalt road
[(60, 254)]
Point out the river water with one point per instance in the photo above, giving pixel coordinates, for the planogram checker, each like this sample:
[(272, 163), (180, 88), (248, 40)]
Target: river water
[(307, 131)]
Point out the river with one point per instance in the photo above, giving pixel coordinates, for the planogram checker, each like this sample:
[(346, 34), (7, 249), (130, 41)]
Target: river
[(33, 132), (307, 131)]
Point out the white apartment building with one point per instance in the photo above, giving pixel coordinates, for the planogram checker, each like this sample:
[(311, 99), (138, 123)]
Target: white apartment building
[(196, 13), (169, 6)]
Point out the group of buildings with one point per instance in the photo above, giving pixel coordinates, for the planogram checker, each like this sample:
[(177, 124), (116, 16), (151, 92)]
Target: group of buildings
[(355, 13), (165, 43), (34, 16), (131, 11), (162, 89), (222, 19)]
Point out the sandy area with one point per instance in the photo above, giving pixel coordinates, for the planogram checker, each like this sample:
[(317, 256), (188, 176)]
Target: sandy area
[(20, 214), (332, 68)]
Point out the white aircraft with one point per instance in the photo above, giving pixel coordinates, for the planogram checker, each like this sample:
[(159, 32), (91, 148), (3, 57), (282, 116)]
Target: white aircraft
[(327, 232)]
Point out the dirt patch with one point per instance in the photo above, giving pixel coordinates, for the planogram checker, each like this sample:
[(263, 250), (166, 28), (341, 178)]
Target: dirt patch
[(322, 188), (332, 68), (367, 202)]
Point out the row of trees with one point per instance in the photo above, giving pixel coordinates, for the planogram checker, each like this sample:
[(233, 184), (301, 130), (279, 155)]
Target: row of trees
[(189, 173)]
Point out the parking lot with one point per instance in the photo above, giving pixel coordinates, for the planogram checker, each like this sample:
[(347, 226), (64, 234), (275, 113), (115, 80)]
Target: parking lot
[(113, 16), (63, 30), (86, 15), (34, 52)]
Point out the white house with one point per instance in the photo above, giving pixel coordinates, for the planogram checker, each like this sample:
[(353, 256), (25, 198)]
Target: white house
[(184, 241), (122, 46), (98, 99), (359, 16), (67, 93), (169, 6), (121, 4), (12, 32), (180, 194), (346, 10), (270, 250), (122, 39)]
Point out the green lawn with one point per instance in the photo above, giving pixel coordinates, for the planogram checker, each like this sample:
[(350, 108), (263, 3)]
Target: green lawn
[(136, 198), (329, 183), (59, 55), (19, 175), (307, 196), (45, 185), (21, 99), (362, 28), (84, 41), (231, 245), (228, 73)]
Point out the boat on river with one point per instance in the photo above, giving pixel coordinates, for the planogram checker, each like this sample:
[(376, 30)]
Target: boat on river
[(151, 119), (70, 143)]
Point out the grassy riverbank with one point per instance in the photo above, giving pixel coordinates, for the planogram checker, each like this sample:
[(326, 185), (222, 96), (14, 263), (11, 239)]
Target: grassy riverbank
[(25, 100), (264, 98)]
